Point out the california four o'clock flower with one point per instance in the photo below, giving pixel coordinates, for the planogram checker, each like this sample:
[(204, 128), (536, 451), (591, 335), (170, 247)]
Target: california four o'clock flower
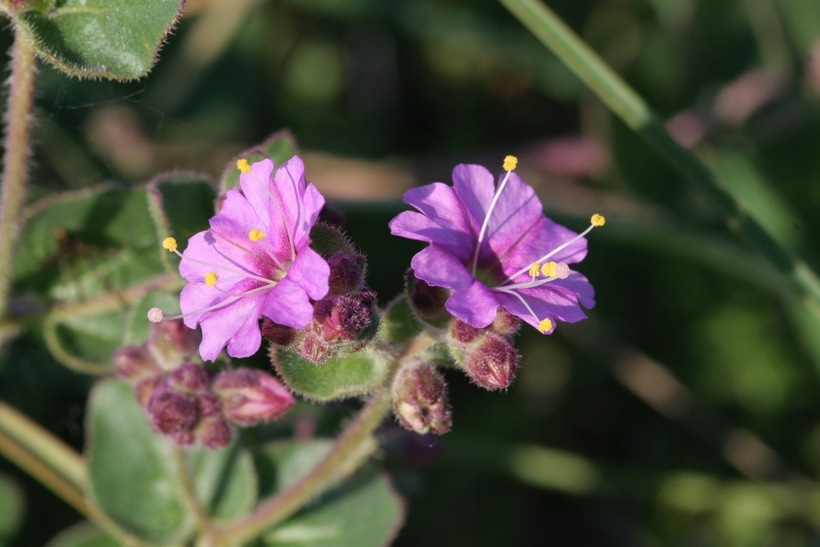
[(254, 261), (492, 246)]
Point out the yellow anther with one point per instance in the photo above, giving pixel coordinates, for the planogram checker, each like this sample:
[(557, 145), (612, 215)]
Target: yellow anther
[(510, 163), (170, 244), (597, 220), (534, 269), (256, 235), (545, 325), (243, 165), (211, 278), (550, 269)]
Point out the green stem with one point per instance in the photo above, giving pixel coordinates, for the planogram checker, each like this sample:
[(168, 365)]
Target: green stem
[(183, 472), (633, 110), (16, 160)]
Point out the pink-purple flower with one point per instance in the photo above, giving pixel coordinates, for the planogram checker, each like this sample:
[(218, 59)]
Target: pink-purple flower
[(493, 247), (254, 261)]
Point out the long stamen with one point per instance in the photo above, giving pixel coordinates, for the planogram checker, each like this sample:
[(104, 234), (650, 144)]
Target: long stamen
[(170, 244), (595, 222), (543, 324), (510, 162)]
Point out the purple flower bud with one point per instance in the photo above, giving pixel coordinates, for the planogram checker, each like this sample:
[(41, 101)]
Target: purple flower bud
[(172, 413), (189, 378), (428, 302), (250, 396), (145, 389), (491, 361), (420, 400), (505, 323), (280, 335), (462, 334), (214, 432), (346, 272), (135, 364), (173, 343)]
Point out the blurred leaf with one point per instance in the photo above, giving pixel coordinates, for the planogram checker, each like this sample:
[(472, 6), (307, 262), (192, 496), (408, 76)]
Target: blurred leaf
[(225, 480), (279, 147), (11, 508), (116, 39), (83, 534), (131, 474), (365, 511), (136, 327), (399, 325), (283, 463), (354, 374)]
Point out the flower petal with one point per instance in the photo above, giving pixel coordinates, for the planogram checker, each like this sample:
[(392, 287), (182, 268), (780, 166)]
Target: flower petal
[(311, 273), (474, 186), (219, 328), (474, 304), (288, 304), (439, 268)]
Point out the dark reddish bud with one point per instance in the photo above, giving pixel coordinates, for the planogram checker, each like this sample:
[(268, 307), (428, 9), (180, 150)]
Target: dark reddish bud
[(250, 396), (428, 302), (346, 272), (189, 378), (172, 343), (505, 323), (331, 216), (214, 432), (145, 389), (420, 401), (172, 413), (208, 405), (135, 364), (462, 333), (278, 334), (491, 361)]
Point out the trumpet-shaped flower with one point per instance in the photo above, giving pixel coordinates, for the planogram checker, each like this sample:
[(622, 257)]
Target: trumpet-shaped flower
[(254, 261), (493, 247)]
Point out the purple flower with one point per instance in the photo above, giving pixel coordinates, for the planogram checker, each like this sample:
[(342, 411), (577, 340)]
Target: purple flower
[(254, 261), (492, 246)]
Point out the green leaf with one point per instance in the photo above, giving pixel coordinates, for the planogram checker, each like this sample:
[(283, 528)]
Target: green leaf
[(354, 374), (399, 324), (116, 39), (137, 328), (366, 511), (83, 534), (225, 481), (134, 480), (279, 147), (131, 472)]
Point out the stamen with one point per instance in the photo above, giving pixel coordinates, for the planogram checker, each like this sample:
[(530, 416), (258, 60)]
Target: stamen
[(243, 166), (510, 163), (256, 235), (545, 325), (597, 220), (169, 244), (211, 278), (155, 315), (534, 269), (548, 269)]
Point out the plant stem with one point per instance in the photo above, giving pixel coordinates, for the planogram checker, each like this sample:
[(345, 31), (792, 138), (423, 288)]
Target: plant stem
[(15, 162), (42, 456), (291, 500), (183, 472), (633, 110)]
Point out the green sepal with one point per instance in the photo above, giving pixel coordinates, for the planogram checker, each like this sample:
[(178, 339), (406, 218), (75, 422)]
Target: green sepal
[(115, 39), (352, 375)]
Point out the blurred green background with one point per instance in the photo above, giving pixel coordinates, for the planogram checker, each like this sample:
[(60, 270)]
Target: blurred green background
[(685, 412)]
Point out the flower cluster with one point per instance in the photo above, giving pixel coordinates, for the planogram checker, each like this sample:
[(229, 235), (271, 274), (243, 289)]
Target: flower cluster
[(184, 401)]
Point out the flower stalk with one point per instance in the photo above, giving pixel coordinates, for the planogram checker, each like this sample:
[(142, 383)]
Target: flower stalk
[(18, 150)]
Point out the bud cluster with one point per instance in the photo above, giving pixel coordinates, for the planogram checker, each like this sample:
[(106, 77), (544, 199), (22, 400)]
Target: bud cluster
[(420, 401), (343, 321), (187, 403)]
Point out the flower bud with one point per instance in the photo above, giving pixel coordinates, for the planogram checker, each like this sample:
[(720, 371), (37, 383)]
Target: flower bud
[(172, 343), (275, 333), (250, 396), (135, 364), (346, 272), (214, 432), (505, 323), (461, 333), (189, 378), (420, 401), (491, 361), (172, 413), (428, 302)]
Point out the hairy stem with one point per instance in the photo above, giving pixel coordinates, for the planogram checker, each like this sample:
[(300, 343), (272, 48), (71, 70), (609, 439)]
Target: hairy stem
[(633, 110), (15, 162)]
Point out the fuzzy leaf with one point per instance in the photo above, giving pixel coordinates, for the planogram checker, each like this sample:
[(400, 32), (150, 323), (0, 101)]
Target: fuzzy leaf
[(133, 479), (399, 325), (83, 534), (365, 511), (338, 378), (279, 147), (116, 39)]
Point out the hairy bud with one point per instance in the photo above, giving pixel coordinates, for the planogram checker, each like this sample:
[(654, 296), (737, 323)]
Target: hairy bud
[(172, 343), (491, 361), (347, 272), (420, 401), (249, 396), (428, 302), (135, 364)]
